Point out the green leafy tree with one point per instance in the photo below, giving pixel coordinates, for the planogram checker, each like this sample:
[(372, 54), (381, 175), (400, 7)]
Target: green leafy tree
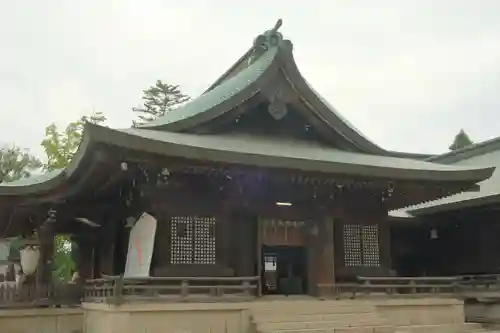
[(63, 261), (16, 163), (461, 140), (60, 146), (157, 100)]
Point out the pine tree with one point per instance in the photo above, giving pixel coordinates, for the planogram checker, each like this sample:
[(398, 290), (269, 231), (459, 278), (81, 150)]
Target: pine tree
[(157, 100), (461, 140)]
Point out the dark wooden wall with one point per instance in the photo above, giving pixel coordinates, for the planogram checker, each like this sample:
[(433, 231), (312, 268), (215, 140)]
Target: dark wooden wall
[(467, 243), (238, 239), (362, 209)]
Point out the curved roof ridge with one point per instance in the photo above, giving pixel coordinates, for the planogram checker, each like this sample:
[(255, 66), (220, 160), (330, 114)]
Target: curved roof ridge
[(326, 111), (237, 67), (36, 179), (54, 179), (245, 60), (248, 81), (192, 111)]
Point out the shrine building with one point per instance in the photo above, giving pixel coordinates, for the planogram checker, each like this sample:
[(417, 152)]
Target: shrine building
[(257, 177)]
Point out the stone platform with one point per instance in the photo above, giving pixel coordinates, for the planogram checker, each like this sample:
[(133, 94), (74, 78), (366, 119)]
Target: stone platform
[(265, 315), (362, 316), (283, 315)]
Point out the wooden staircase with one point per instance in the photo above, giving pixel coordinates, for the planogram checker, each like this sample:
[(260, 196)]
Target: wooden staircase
[(360, 316)]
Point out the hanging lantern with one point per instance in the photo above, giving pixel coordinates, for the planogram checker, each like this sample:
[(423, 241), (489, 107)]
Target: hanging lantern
[(29, 259), (314, 230), (433, 234)]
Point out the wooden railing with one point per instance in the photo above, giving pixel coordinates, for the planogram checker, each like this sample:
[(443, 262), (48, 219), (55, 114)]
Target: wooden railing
[(29, 296), (462, 286), (486, 281), (409, 285), (369, 286), (117, 289), (478, 286)]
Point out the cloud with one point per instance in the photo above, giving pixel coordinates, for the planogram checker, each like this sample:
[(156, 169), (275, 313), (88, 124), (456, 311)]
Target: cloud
[(408, 74)]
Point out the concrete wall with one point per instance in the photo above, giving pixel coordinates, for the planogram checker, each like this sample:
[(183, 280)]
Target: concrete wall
[(482, 312), (427, 311), (166, 318), (41, 321)]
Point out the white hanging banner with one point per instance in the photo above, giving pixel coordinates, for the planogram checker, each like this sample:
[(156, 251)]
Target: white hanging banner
[(140, 247)]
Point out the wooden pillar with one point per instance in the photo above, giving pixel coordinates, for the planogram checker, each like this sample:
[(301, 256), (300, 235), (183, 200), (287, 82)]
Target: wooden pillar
[(321, 256), (46, 236), (106, 247), (311, 258), (223, 239), (260, 268), (244, 230), (385, 248), (84, 255)]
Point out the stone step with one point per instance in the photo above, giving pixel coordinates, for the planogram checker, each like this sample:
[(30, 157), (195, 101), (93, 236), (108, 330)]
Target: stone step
[(423, 319), (439, 328), (313, 302), (305, 317), (445, 328), (316, 308), (298, 325)]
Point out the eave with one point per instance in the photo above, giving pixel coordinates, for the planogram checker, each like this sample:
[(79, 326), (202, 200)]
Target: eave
[(483, 153), (256, 152), (445, 206), (87, 168), (465, 153)]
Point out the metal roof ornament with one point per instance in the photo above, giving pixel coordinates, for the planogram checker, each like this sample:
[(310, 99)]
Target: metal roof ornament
[(277, 107), (264, 42)]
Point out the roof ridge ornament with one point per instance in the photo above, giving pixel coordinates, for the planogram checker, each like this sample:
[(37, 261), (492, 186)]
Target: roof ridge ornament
[(278, 25), (265, 41)]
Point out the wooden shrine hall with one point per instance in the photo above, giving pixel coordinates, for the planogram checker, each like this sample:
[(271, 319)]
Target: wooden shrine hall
[(257, 177)]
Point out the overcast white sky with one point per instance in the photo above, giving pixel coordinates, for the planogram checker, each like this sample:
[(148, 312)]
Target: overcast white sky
[(407, 73)]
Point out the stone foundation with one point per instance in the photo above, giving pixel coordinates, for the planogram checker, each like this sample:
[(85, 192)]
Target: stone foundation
[(441, 315), (293, 314), (48, 320), (166, 318)]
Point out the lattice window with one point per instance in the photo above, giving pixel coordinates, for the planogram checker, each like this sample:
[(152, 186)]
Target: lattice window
[(181, 228), (204, 240), (371, 251), (193, 240), (361, 245), (352, 245)]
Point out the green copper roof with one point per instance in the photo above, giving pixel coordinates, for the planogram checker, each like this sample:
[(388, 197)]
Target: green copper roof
[(479, 155), (249, 150), (269, 152), (271, 56), (218, 95)]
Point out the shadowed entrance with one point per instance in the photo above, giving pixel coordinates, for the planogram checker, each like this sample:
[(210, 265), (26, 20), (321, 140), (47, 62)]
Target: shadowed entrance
[(285, 270)]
